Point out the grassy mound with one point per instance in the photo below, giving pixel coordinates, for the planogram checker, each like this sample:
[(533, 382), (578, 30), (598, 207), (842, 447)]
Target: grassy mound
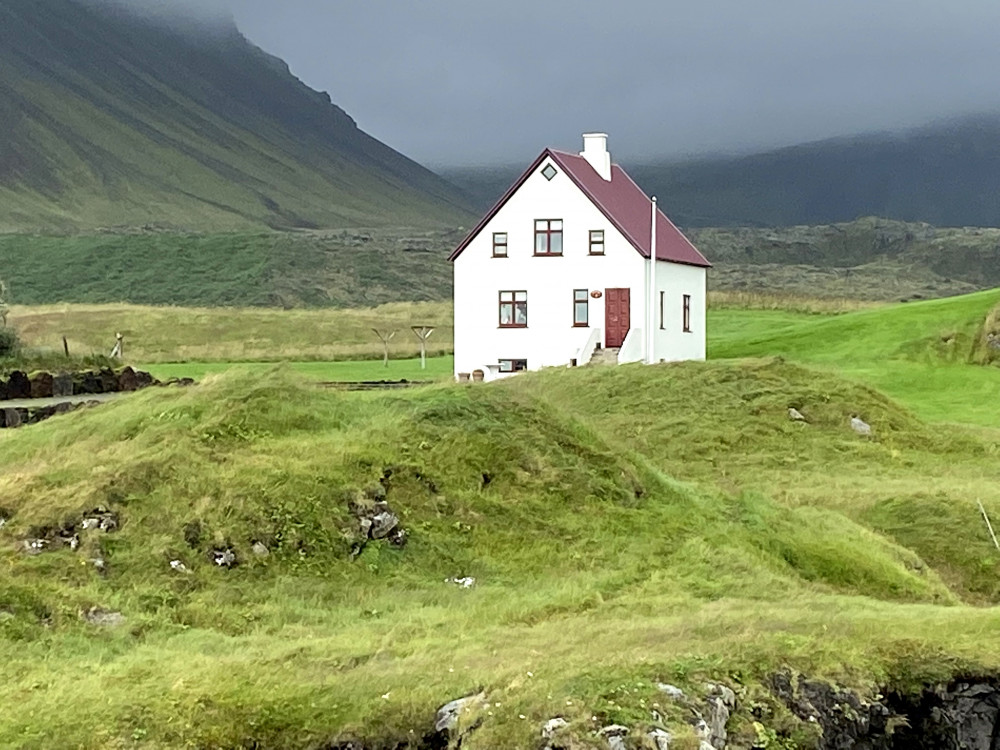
[(918, 352), (616, 541)]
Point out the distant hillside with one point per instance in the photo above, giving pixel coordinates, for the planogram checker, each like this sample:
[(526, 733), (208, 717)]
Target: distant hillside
[(110, 119), (946, 174), (335, 268), (873, 259)]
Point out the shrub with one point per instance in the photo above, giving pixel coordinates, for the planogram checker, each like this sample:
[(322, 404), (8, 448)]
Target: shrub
[(9, 342)]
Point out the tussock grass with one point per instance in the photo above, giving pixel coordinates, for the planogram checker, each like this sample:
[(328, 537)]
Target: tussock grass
[(625, 526)]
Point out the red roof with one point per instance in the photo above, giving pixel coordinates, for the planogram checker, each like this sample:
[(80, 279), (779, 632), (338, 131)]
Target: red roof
[(620, 199)]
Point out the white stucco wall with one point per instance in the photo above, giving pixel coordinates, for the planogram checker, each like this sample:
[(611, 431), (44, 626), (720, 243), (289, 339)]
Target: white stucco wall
[(672, 343), (550, 338)]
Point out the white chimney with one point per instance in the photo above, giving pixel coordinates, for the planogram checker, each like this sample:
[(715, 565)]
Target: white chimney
[(595, 151)]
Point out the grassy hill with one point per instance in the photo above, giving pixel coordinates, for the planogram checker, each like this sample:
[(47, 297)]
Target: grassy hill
[(928, 355), (112, 118), (625, 527), (944, 173)]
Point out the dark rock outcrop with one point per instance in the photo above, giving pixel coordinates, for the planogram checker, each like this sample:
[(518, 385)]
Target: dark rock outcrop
[(962, 715), (41, 385), (18, 385)]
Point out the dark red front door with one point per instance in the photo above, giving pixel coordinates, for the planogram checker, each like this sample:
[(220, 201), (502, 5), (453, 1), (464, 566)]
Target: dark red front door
[(616, 316)]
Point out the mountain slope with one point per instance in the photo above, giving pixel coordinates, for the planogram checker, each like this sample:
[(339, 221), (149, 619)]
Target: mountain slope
[(114, 119), (946, 174)]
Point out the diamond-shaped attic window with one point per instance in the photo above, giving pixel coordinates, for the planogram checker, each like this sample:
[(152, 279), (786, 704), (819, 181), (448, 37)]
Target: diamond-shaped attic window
[(549, 172)]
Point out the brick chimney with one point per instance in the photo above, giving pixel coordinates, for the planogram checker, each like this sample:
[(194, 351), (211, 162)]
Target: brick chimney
[(595, 151)]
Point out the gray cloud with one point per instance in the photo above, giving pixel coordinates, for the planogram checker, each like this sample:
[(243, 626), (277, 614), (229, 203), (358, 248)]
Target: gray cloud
[(458, 81)]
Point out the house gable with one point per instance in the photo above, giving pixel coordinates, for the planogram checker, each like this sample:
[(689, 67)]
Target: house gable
[(620, 200)]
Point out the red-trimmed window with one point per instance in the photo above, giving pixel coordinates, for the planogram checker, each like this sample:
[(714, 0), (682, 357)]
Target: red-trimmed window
[(596, 242), (687, 313), (513, 365), (499, 244), (548, 237), (514, 309), (581, 308)]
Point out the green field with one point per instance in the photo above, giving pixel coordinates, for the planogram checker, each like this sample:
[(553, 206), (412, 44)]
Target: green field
[(918, 353), (398, 369), (625, 526)]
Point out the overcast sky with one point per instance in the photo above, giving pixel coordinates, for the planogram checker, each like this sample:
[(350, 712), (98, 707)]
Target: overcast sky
[(470, 82)]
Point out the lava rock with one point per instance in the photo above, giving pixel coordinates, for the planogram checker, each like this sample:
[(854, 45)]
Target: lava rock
[(109, 381), (127, 380), (447, 718), (41, 385), (382, 524), (62, 384), (18, 385), (615, 735)]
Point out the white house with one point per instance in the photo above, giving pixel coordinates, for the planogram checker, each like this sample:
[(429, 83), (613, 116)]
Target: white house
[(560, 267)]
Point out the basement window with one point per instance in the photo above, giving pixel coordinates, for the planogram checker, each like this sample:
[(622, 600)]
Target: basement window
[(513, 365)]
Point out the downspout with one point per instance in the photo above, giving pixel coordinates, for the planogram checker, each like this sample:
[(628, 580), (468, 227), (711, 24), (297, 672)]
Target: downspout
[(651, 317)]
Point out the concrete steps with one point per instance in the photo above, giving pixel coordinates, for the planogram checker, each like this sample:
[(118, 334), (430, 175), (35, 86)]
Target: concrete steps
[(602, 357)]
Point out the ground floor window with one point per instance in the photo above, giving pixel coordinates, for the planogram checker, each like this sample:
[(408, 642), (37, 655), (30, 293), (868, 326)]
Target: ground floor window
[(687, 313), (514, 309), (513, 365), (581, 308)]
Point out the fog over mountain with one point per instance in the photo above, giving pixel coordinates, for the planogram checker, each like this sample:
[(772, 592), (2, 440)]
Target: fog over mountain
[(449, 82), (454, 82)]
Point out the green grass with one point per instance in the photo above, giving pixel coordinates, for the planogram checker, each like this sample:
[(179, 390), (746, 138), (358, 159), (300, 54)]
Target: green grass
[(918, 353), (155, 335), (625, 526), (398, 369)]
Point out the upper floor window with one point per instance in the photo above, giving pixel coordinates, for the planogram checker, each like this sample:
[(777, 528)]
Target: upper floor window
[(548, 237), (514, 309), (499, 244), (581, 308), (597, 242), (687, 313)]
